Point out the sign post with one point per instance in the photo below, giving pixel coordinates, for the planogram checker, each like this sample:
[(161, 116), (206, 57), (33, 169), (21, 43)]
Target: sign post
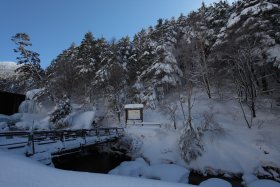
[(133, 113)]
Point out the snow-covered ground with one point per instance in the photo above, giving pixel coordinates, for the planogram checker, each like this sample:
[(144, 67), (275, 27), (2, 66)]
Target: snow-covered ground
[(18, 171), (237, 148), (230, 148), (233, 148)]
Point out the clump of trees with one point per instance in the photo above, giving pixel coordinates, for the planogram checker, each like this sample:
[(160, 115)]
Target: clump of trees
[(218, 46)]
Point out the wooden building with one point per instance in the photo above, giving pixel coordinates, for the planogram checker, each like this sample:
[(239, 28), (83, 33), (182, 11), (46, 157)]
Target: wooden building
[(9, 102)]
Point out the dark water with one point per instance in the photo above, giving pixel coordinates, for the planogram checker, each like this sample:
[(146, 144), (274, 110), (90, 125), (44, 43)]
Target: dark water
[(90, 162), (196, 178)]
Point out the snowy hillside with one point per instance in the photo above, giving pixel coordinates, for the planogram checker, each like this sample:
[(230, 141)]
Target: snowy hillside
[(229, 146), (7, 69)]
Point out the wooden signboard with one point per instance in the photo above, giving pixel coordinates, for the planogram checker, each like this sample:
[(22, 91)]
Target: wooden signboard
[(134, 112)]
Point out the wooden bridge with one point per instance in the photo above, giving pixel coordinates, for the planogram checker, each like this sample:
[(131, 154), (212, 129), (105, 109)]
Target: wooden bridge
[(44, 145)]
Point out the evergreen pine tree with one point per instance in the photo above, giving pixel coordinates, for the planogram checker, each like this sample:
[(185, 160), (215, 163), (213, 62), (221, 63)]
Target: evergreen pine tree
[(86, 63), (62, 72), (31, 73)]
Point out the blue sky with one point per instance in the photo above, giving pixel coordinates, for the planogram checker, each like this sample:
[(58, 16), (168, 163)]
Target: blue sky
[(54, 24)]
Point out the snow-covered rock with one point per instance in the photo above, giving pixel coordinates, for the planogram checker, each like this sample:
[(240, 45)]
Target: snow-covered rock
[(215, 182), (164, 172), (264, 183), (7, 121), (5, 118), (130, 168), (3, 126), (248, 178)]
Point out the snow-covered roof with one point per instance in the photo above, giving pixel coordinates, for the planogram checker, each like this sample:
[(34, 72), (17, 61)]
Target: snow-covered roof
[(134, 106)]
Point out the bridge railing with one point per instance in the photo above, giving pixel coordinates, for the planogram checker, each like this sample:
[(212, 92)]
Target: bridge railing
[(57, 133), (48, 137)]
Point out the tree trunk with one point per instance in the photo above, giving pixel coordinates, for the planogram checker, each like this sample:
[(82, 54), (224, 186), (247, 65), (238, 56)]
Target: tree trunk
[(175, 126), (190, 106), (253, 108)]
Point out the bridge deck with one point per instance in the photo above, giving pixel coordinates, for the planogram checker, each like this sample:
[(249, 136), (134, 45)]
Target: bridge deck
[(42, 145)]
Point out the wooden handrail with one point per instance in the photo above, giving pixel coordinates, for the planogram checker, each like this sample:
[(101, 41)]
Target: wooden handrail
[(66, 132), (58, 135)]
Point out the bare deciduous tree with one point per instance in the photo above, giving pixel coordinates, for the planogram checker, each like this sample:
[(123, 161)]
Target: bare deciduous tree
[(171, 110), (199, 49)]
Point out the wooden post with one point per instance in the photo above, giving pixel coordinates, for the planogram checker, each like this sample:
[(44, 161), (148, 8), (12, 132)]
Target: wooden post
[(32, 138), (141, 114), (84, 135), (96, 132), (30, 143), (126, 116), (62, 139)]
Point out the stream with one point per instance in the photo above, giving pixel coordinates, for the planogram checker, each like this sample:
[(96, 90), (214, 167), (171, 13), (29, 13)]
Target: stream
[(90, 161)]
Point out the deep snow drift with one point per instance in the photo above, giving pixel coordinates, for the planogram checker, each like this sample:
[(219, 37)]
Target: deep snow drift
[(18, 171)]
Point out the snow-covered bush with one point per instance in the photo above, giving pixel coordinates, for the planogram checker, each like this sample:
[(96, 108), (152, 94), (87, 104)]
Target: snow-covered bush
[(170, 109), (208, 123), (123, 147), (80, 119), (147, 97), (132, 145), (58, 117), (190, 144)]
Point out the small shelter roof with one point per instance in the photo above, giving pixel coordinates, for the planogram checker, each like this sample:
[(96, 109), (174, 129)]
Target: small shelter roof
[(134, 106)]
